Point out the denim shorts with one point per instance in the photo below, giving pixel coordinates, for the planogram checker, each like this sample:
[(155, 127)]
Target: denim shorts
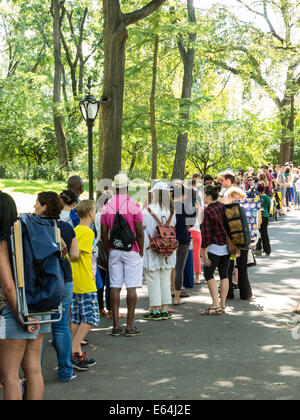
[(10, 329), (85, 309)]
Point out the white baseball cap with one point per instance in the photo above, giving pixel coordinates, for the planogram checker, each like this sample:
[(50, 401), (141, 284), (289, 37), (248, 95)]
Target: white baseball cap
[(160, 186)]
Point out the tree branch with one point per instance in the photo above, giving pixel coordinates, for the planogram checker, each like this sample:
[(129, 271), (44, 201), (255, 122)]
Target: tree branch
[(133, 17), (265, 16), (255, 75)]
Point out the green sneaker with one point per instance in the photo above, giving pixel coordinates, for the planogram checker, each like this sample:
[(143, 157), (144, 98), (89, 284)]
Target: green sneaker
[(157, 317), (148, 315), (165, 315)]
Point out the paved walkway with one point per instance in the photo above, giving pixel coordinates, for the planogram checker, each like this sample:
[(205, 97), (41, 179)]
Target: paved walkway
[(252, 352)]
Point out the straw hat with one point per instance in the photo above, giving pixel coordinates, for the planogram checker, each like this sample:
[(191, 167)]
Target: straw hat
[(120, 181)]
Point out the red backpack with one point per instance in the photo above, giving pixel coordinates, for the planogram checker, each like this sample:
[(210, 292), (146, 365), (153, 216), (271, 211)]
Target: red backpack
[(164, 241)]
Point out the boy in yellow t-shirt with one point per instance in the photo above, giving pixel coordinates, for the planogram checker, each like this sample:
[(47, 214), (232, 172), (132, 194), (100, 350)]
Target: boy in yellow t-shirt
[(85, 309)]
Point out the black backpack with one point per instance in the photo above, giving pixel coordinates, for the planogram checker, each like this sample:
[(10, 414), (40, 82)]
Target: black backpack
[(121, 237)]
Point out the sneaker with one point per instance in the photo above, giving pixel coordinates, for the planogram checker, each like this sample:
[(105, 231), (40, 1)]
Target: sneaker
[(65, 380), (166, 315), (133, 332), (79, 362), (116, 332), (88, 360), (148, 315), (157, 316)]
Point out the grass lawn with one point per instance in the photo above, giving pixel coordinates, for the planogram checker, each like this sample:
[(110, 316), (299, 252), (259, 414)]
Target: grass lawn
[(138, 192), (33, 187)]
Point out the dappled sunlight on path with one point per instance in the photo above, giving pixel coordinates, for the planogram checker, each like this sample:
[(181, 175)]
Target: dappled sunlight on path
[(251, 352), (247, 353)]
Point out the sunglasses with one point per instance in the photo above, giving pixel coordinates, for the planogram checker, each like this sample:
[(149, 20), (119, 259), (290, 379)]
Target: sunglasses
[(250, 179)]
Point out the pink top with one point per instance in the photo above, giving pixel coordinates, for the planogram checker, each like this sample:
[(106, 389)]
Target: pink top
[(129, 209)]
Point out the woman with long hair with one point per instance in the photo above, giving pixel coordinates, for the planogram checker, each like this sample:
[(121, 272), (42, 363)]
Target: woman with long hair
[(19, 347), (50, 205)]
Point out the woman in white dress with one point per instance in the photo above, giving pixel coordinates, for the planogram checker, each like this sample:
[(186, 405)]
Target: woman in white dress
[(157, 269)]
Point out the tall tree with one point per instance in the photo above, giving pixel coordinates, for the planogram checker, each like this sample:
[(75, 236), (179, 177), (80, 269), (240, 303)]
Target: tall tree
[(57, 11), (115, 35), (152, 108), (269, 57), (188, 56)]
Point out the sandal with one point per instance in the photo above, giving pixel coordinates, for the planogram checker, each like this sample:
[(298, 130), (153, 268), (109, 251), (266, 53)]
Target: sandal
[(132, 332), (212, 311), (223, 309), (182, 295)]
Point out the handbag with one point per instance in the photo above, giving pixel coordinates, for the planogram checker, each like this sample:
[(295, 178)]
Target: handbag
[(251, 258), (102, 258)]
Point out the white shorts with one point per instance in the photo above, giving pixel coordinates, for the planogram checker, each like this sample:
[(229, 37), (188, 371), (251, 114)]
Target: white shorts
[(125, 266)]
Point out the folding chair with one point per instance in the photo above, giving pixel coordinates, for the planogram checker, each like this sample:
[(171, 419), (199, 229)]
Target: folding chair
[(19, 277)]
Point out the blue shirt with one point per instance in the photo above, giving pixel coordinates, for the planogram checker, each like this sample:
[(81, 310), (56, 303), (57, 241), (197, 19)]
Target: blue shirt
[(68, 234), (185, 216)]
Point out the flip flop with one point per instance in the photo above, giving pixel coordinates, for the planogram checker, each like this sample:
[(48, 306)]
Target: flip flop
[(177, 304)]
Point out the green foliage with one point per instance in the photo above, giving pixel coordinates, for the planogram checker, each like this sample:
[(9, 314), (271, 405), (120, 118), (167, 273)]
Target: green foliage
[(228, 125)]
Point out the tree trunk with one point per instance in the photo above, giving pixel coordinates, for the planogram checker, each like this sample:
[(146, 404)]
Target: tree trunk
[(115, 35), (152, 110), (288, 116), (61, 140), (188, 57)]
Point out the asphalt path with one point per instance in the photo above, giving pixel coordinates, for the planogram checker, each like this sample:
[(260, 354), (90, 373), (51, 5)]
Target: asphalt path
[(250, 353)]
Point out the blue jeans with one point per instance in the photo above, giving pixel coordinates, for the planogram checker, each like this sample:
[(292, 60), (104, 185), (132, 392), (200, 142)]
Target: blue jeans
[(62, 339)]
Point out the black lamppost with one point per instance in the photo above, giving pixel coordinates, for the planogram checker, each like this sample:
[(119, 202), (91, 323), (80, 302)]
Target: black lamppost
[(89, 107)]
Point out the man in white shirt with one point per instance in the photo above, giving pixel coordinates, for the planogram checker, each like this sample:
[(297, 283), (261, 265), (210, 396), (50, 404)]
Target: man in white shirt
[(227, 182)]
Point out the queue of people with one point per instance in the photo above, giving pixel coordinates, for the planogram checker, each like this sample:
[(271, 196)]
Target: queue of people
[(151, 243)]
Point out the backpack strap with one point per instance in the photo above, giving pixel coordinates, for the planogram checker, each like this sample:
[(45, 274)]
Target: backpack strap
[(170, 218), (157, 219), (224, 230), (120, 206), (154, 216)]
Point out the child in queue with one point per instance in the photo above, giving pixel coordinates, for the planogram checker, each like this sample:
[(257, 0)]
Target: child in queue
[(85, 308)]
